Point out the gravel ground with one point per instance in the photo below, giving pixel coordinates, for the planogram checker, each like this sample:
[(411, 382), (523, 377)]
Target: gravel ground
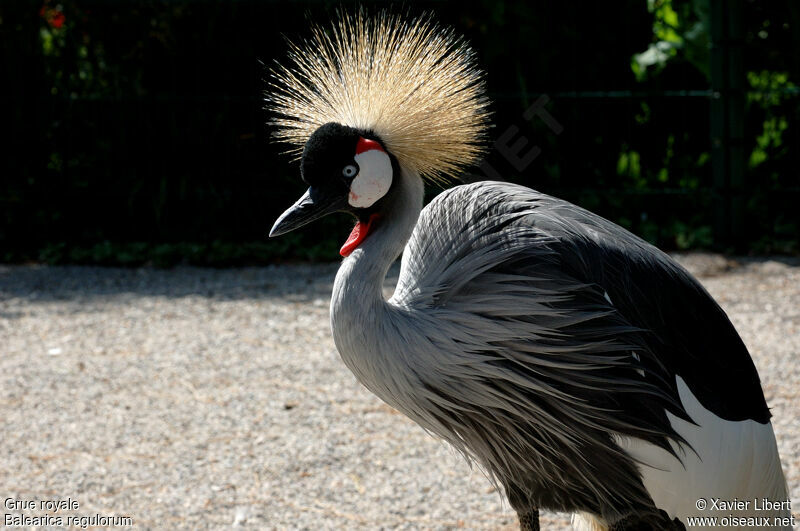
[(197, 398)]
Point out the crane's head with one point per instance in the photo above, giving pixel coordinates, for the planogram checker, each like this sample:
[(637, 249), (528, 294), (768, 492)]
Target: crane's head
[(347, 170), (374, 94)]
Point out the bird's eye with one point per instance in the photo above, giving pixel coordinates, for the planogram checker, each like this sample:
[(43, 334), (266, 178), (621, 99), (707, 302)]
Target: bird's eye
[(350, 170)]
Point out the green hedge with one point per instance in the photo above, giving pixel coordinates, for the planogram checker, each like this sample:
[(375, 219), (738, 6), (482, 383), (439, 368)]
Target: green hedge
[(136, 132)]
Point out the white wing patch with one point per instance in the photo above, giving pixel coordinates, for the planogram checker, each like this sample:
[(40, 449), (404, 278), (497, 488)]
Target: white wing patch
[(588, 522), (373, 180), (734, 460)]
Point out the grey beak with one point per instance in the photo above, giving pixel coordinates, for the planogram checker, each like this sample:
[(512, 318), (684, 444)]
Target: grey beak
[(313, 205)]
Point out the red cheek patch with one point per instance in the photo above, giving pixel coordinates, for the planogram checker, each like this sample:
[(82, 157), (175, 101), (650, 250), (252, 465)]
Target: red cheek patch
[(358, 235)]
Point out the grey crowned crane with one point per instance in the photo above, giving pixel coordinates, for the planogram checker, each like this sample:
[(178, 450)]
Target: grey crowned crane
[(582, 368)]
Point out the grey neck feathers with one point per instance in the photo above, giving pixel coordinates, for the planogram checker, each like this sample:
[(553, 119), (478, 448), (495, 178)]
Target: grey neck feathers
[(359, 312)]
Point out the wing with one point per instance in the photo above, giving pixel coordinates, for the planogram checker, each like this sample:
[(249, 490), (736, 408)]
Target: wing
[(560, 351), (502, 250)]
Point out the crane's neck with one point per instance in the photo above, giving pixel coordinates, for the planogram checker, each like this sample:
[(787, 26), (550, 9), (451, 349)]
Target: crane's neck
[(359, 312)]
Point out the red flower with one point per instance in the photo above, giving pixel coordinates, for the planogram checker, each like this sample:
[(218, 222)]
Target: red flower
[(54, 17)]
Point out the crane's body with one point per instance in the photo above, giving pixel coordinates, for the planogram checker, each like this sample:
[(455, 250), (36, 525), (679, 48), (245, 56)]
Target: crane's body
[(555, 347), (582, 368)]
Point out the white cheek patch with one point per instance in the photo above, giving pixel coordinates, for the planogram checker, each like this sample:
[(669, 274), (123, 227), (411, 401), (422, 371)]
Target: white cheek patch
[(373, 180)]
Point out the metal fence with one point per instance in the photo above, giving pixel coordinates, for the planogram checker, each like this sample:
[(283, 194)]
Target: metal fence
[(174, 147)]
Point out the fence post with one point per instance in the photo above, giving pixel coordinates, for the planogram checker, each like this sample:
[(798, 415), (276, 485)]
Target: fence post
[(727, 122)]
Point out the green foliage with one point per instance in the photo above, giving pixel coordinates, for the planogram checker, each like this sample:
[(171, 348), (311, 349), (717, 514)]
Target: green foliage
[(689, 237), (628, 166), (680, 46), (678, 27), (770, 92)]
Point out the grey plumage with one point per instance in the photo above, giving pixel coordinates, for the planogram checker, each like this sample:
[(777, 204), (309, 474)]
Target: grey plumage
[(488, 345)]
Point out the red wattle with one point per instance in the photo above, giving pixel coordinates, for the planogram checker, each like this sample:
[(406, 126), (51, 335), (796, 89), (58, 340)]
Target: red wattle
[(358, 235)]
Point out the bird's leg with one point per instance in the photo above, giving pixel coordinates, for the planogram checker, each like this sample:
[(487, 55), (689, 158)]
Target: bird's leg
[(529, 521)]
